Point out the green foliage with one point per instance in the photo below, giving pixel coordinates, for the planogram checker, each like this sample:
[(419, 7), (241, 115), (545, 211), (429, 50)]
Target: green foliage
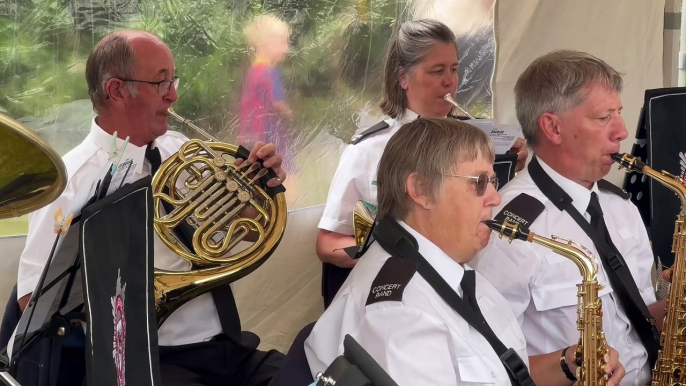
[(44, 45)]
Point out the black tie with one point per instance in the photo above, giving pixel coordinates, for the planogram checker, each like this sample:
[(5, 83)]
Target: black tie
[(597, 221), (153, 156), (468, 285), (626, 290)]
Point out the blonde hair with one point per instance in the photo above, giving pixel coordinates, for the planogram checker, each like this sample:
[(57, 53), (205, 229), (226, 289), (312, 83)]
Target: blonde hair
[(263, 28)]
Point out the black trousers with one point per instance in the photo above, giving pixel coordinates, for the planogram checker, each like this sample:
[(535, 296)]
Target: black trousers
[(220, 362)]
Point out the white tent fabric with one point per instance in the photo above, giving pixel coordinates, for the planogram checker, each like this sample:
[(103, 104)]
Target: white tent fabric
[(284, 294), (628, 35)]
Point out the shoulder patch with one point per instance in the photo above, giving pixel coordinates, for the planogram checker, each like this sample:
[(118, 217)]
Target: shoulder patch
[(391, 280), (608, 186), (523, 210), (370, 131)]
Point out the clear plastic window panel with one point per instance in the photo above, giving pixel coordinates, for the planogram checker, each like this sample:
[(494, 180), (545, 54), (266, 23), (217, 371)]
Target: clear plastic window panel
[(303, 74)]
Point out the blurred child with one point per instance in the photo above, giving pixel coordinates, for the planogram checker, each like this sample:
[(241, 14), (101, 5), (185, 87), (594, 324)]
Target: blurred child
[(263, 112)]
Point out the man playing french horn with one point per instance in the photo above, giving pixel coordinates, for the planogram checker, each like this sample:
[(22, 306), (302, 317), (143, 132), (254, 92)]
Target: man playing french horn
[(132, 84), (569, 108)]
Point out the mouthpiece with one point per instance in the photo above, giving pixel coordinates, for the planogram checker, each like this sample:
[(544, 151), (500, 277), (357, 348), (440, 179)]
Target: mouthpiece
[(508, 229), (631, 163), (449, 98)]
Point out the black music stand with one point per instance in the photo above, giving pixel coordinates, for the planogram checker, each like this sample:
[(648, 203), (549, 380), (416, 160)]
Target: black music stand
[(661, 144), (45, 324), (110, 242)]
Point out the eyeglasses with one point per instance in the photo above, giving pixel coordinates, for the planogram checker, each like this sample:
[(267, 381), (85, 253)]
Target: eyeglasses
[(481, 181), (163, 86)]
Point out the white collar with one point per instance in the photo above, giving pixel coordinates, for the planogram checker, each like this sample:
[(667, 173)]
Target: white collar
[(579, 194), (450, 270), (103, 140), (409, 116)]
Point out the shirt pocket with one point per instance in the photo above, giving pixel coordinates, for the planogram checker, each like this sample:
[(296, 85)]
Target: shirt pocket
[(559, 295), (552, 296), (475, 371)]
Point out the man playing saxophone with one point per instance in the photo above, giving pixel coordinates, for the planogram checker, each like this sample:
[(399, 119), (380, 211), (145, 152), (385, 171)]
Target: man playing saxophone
[(569, 108), (132, 84)]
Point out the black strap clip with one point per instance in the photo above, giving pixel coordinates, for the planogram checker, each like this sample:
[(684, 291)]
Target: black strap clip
[(614, 262), (516, 367)]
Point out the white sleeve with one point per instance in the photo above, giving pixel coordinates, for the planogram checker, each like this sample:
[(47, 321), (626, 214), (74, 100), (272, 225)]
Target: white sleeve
[(349, 184), (41, 234), (410, 345)]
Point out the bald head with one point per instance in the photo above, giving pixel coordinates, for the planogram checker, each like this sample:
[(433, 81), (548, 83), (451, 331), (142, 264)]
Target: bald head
[(115, 56)]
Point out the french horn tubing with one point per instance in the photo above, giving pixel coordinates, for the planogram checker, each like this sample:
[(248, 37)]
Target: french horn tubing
[(199, 200)]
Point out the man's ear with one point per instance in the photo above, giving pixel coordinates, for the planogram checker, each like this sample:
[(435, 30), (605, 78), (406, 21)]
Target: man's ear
[(415, 186), (115, 90), (551, 127)]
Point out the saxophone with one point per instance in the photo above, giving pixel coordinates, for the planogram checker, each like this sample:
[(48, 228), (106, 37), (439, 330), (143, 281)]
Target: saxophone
[(671, 358), (592, 352)]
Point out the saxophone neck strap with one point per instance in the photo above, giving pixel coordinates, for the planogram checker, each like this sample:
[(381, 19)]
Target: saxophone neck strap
[(616, 269), (399, 243)]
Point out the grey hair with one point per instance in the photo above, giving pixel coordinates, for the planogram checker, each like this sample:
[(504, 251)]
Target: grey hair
[(429, 147), (557, 82), (409, 46), (112, 57)]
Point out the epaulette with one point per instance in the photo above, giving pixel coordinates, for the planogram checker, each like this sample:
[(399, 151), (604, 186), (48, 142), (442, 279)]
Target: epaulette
[(370, 131), (612, 188), (390, 282), (523, 210)]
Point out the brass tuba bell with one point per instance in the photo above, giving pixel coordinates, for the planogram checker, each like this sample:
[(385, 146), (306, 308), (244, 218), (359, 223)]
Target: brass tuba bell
[(32, 174), (201, 190)]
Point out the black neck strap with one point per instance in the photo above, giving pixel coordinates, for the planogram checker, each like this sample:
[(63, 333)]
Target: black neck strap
[(393, 238), (618, 273)]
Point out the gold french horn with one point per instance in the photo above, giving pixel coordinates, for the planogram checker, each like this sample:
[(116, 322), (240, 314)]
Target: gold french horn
[(32, 174), (201, 189)]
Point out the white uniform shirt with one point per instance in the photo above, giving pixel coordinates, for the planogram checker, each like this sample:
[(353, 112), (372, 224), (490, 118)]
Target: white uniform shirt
[(196, 320), (419, 340), (355, 178), (540, 285)]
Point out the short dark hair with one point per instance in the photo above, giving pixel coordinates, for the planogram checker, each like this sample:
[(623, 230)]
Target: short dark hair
[(112, 57)]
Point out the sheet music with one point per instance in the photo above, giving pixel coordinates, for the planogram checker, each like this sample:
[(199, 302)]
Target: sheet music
[(122, 176), (502, 135)]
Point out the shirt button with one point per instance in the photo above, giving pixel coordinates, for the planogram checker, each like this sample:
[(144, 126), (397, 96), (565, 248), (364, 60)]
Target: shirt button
[(492, 374)]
